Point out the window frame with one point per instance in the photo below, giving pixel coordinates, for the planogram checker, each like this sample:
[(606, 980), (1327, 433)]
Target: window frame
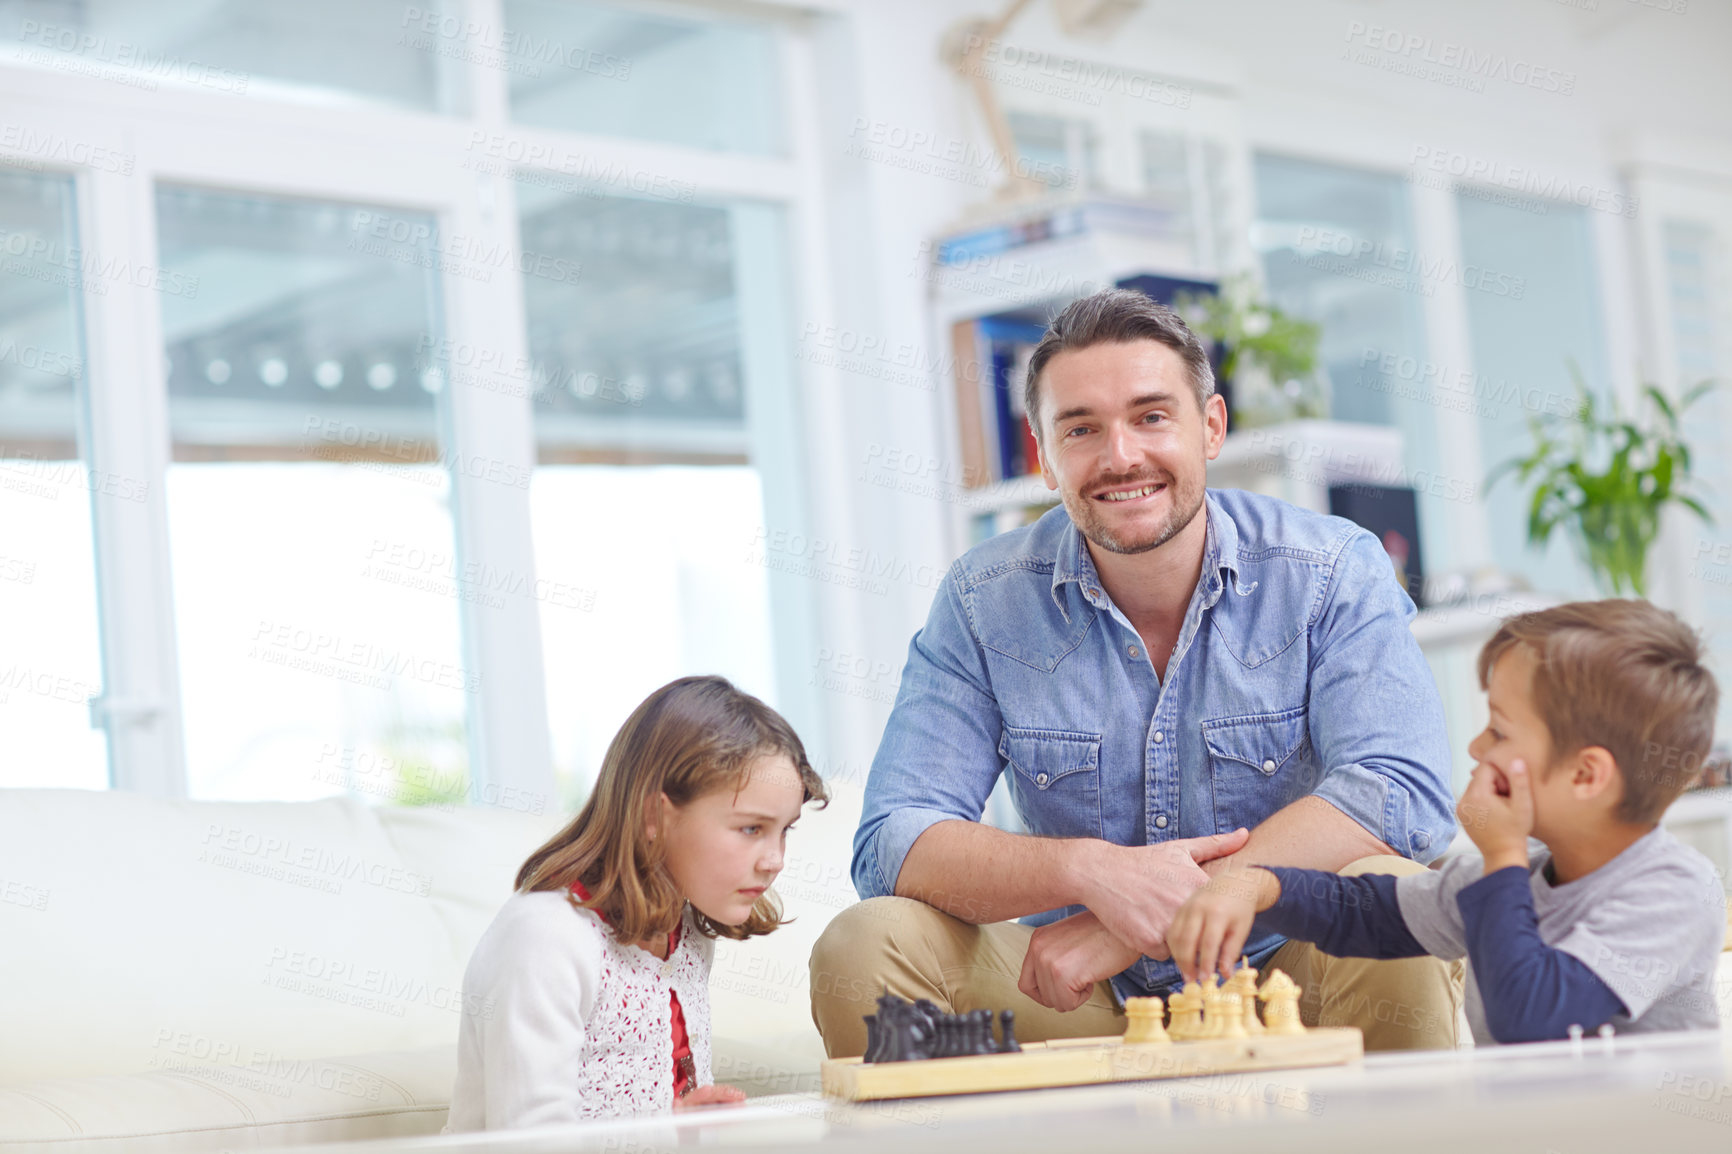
[(365, 153)]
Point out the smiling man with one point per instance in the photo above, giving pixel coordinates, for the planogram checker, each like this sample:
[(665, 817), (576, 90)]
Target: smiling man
[(1175, 681)]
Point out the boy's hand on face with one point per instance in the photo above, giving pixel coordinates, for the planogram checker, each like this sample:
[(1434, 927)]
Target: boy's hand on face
[(1497, 811), (1211, 927)]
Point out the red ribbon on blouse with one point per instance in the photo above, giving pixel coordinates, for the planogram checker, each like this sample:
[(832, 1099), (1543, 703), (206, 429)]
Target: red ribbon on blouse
[(685, 1069)]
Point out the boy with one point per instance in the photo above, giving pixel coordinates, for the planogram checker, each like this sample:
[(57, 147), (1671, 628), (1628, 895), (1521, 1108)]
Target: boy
[(1594, 705)]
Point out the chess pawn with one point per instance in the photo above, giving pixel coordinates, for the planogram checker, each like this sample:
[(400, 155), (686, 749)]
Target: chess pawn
[(980, 1039), (1214, 1010), (1007, 1023), (1144, 1021), (1231, 1015), (946, 1040), (1280, 995), (1244, 983), (1187, 1006)]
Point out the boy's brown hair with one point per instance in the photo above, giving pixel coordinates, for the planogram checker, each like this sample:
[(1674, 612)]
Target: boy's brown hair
[(689, 738), (1624, 675)]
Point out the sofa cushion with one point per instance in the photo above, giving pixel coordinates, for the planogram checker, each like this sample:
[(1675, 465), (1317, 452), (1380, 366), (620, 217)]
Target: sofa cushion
[(470, 858), (197, 1101), (287, 930)]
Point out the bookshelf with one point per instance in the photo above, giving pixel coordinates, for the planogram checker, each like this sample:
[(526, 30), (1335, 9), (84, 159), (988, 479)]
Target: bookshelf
[(993, 285)]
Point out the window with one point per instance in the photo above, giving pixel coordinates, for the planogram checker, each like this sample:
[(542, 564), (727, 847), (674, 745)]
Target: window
[(646, 502), (51, 666), (1533, 307), (1055, 151), (1697, 301), (315, 51), (612, 71), (1188, 176), (330, 581), (317, 592), (1337, 248)]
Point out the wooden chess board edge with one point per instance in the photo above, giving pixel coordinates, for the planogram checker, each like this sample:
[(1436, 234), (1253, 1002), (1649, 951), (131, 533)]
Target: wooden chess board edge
[(1087, 1061)]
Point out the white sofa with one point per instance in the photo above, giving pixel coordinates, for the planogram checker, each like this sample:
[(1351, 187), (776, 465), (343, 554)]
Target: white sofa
[(195, 976), (200, 976)]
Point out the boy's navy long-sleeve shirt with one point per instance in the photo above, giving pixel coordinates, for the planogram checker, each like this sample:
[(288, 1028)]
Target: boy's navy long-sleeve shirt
[(1635, 943), (1531, 991)]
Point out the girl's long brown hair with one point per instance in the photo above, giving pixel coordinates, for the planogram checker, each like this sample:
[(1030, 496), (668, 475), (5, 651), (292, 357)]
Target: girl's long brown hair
[(688, 738)]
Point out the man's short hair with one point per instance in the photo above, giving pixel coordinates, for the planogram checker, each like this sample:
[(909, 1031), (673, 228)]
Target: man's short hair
[(1624, 675), (1116, 316)]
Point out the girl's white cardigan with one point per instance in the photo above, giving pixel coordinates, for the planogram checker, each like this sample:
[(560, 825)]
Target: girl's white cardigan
[(561, 1022)]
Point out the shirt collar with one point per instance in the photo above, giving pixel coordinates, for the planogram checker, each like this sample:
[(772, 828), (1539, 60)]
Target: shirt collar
[(1220, 551)]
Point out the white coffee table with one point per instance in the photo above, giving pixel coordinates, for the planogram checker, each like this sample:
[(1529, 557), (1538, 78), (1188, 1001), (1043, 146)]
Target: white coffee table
[(1660, 1094)]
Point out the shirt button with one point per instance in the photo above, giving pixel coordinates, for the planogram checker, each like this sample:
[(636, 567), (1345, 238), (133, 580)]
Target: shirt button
[(667, 969), (1269, 767), (1040, 779), (1159, 737), (1160, 821), (1133, 651)]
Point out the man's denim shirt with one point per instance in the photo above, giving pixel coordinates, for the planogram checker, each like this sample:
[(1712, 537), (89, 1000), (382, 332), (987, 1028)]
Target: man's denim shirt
[(1295, 673)]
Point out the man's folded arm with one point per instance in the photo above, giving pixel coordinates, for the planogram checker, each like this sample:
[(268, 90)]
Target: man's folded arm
[(938, 760)]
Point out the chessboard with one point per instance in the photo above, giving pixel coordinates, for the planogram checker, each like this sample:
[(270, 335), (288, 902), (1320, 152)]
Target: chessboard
[(1215, 1030)]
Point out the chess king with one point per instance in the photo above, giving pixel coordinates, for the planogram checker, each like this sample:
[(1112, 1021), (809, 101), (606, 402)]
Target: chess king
[(1170, 679)]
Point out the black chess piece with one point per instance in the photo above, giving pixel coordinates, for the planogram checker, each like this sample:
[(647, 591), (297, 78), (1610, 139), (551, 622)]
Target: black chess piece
[(980, 1037), (952, 1036), (919, 1036), (893, 1021), (874, 1042), (1008, 1044)]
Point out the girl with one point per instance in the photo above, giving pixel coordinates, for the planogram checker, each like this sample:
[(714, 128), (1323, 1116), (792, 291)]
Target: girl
[(589, 990)]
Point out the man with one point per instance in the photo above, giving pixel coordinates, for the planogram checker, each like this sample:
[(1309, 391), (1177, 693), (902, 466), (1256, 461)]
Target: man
[(1158, 669)]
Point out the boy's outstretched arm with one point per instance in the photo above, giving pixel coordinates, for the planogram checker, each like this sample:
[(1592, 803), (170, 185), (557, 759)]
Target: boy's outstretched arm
[(1355, 917)]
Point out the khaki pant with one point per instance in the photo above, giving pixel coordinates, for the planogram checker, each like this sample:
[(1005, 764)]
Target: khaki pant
[(915, 951)]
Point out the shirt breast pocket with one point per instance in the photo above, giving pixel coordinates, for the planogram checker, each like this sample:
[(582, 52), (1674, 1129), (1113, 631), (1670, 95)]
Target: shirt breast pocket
[(1055, 780), (1258, 764)]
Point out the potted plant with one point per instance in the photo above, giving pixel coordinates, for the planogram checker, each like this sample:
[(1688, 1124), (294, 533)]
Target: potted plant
[(1606, 480), (1270, 356)]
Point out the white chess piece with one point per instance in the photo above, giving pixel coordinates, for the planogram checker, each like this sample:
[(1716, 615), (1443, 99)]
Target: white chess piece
[(1143, 1024), (1187, 1007), (1244, 983), (1280, 996)]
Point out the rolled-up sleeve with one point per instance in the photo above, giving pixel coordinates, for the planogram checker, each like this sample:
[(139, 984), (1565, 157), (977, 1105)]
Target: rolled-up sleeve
[(1376, 719), (938, 760)]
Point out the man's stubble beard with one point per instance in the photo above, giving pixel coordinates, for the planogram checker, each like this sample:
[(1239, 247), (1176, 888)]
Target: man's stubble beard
[(1186, 502)]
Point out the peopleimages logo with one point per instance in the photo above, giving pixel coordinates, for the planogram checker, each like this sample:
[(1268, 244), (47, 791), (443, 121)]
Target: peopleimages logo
[(1426, 51), (132, 64), (1320, 246), (1522, 179)]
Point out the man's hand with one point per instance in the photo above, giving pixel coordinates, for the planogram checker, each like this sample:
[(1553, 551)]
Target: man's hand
[(1210, 929), (1136, 890), (1497, 811), (716, 1095), (1066, 958)]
